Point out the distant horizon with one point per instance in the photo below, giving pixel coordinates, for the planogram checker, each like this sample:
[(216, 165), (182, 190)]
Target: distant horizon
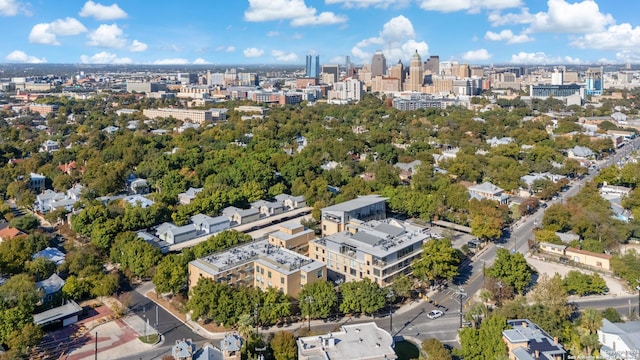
[(263, 32)]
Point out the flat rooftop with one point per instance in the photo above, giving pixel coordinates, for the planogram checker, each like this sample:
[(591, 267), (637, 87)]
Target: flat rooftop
[(280, 259), (379, 237), (356, 203), (357, 341)]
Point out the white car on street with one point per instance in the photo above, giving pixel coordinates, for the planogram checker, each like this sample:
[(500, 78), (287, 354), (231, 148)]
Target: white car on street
[(434, 314)]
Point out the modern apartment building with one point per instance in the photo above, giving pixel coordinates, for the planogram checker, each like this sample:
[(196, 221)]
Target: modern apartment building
[(378, 64), (292, 236), (336, 217), (378, 249), (259, 264), (196, 116)]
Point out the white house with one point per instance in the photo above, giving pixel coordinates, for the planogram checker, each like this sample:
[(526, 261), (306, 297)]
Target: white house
[(619, 340)]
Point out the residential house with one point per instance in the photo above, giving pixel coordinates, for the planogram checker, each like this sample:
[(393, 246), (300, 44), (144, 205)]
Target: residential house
[(527, 341), (531, 178), (494, 141), (580, 152), (619, 340), (229, 349), (178, 234), (36, 181), (49, 146), (578, 256), (210, 225), (408, 169), (488, 191), (290, 202), (9, 233), (138, 186), (138, 200), (64, 315), (187, 197), (268, 208), (111, 129), (51, 288), (354, 342), (448, 154), (51, 254), (241, 216)]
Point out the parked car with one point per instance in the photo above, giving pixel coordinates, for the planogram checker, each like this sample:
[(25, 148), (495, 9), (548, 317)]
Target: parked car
[(434, 314)]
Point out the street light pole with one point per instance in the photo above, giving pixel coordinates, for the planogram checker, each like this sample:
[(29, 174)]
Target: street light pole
[(309, 312), (390, 295), (461, 293)]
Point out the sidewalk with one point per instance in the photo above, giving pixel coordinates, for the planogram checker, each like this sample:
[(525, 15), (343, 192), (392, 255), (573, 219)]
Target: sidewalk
[(198, 329)]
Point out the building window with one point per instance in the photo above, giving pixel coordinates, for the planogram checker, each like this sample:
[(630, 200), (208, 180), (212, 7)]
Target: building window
[(324, 227), (320, 273), (352, 271), (281, 280), (376, 272), (269, 274)]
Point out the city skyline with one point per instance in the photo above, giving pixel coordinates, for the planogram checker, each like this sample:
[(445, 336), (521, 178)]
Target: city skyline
[(284, 32)]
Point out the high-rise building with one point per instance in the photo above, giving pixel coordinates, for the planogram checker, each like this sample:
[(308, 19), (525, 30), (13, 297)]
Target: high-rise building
[(594, 81), (378, 64), (313, 66), (432, 65), (330, 73), (557, 77), (416, 74), (464, 71), (397, 72)]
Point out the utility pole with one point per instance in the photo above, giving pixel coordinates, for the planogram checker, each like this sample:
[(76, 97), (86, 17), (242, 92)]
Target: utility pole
[(460, 294), (157, 331), (390, 296), (309, 299), (95, 357), (255, 314)]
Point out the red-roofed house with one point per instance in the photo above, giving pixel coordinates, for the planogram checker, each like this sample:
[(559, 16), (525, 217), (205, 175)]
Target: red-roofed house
[(9, 233)]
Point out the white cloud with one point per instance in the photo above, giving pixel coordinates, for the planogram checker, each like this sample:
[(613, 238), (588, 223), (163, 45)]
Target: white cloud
[(284, 56), (253, 52), (137, 46), (200, 61), (508, 36), (104, 57), (383, 4), (476, 55), (12, 8), (397, 37), (294, 10), (45, 33), (228, 49), (468, 5), (109, 36), (273, 33), (18, 56), (174, 61), (561, 17), (540, 58), (616, 37), (102, 12)]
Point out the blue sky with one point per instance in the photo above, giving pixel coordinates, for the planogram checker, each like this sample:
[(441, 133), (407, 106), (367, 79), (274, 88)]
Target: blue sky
[(285, 31)]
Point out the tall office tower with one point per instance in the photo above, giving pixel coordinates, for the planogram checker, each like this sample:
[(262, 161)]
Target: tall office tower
[(416, 74), (378, 64), (594, 81), (330, 73), (464, 71), (432, 65), (557, 77), (397, 72), (313, 67)]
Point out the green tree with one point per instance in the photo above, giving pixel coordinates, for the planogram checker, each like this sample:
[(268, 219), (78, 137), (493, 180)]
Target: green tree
[(283, 346), (275, 306), (438, 261), (41, 268), (626, 266), (26, 223), (323, 299), (22, 340), (512, 269), (75, 288), (135, 254), (612, 315), (402, 286), (18, 299), (484, 343), (362, 297), (435, 349), (171, 274)]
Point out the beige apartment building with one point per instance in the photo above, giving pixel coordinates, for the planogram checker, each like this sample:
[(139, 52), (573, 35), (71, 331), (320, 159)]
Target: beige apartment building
[(259, 264), (336, 217), (378, 249), (292, 236), (195, 116)]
